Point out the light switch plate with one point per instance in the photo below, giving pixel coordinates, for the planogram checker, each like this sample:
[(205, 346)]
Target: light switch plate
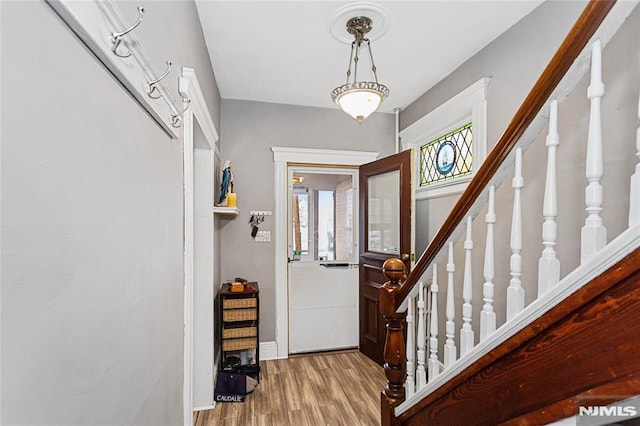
[(263, 237)]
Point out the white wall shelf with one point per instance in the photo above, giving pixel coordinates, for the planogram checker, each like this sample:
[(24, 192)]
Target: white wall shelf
[(226, 210)]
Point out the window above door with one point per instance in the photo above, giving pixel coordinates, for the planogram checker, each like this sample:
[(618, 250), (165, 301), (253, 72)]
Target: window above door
[(450, 143)]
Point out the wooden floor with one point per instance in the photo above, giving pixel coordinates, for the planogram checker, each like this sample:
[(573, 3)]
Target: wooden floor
[(327, 389)]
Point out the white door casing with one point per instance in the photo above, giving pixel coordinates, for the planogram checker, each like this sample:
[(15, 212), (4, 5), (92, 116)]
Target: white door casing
[(282, 156), (196, 121)]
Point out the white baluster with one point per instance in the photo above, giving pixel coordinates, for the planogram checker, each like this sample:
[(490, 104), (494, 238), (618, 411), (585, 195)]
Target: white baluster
[(515, 292), (409, 383), (549, 265), (434, 363), (594, 234), (488, 316), (466, 332), (450, 344), (634, 196), (421, 374)]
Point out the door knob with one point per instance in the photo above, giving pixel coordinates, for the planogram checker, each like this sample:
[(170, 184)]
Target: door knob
[(405, 256)]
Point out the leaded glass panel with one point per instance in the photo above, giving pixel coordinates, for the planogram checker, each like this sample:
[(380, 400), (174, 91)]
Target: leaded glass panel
[(447, 157)]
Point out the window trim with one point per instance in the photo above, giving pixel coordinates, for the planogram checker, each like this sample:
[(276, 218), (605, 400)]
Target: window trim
[(470, 105)]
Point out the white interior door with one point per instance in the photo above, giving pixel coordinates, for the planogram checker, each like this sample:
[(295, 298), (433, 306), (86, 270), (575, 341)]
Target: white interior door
[(323, 253)]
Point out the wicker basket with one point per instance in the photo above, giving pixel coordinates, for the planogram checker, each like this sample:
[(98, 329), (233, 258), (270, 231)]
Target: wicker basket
[(239, 344), (232, 333), (250, 302), (239, 314)]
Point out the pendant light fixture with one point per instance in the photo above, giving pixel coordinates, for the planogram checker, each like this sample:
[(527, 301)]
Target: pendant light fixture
[(359, 98)]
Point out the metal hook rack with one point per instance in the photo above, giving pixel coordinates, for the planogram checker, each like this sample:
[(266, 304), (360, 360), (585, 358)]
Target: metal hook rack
[(176, 119), (97, 24), (116, 37), (257, 217), (260, 213), (152, 89)]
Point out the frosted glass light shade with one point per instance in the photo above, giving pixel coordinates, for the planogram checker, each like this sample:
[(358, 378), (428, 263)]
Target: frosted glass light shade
[(359, 103), (360, 99)]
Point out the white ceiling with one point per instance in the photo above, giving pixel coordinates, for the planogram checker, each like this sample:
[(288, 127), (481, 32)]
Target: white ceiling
[(284, 51)]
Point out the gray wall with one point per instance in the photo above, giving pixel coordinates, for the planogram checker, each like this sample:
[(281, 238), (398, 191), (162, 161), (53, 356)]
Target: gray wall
[(92, 225), (249, 130), (514, 61)]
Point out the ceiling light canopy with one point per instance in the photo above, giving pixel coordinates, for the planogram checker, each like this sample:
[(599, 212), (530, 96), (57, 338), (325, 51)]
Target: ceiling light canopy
[(359, 98)]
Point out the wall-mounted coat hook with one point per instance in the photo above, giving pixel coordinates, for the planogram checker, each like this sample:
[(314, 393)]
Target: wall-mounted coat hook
[(176, 119), (152, 90), (116, 38)]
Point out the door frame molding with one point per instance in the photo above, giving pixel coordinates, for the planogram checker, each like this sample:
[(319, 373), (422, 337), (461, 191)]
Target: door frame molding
[(189, 89), (282, 157)]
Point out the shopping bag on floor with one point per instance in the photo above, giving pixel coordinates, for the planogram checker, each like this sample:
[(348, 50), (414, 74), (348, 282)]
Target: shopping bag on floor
[(233, 387)]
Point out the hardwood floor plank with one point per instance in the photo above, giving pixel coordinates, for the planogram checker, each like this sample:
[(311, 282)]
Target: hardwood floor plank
[(320, 361), (261, 400), (312, 389), (292, 394), (347, 415), (346, 360), (355, 384), (246, 413), (364, 413), (276, 398), (298, 417), (316, 418), (322, 390), (229, 422), (229, 410), (319, 380), (330, 415), (306, 391), (264, 420), (336, 390)]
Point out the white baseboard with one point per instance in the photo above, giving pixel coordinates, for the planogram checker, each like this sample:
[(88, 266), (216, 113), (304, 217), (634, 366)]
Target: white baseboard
[(268, 350)]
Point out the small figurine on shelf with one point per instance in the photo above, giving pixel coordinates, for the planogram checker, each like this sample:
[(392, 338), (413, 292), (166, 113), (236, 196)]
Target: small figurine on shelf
[(227, 196)]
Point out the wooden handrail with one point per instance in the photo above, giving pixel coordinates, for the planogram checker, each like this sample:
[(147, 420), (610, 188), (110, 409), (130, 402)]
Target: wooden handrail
[(580, 34)]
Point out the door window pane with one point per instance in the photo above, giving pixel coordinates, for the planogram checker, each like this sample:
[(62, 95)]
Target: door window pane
[(301, 222), (326, 230), (384, 212), (322, 216)]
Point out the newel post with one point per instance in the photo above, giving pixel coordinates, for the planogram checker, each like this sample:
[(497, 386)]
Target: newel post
[(395, 357)]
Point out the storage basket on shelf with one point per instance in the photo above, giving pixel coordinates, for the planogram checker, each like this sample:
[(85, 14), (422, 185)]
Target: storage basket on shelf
[(239, 314), (235, 332), (239, 303)]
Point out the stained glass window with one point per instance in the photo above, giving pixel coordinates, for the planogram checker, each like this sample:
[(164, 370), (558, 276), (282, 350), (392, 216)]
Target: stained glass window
[(447, 157)]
